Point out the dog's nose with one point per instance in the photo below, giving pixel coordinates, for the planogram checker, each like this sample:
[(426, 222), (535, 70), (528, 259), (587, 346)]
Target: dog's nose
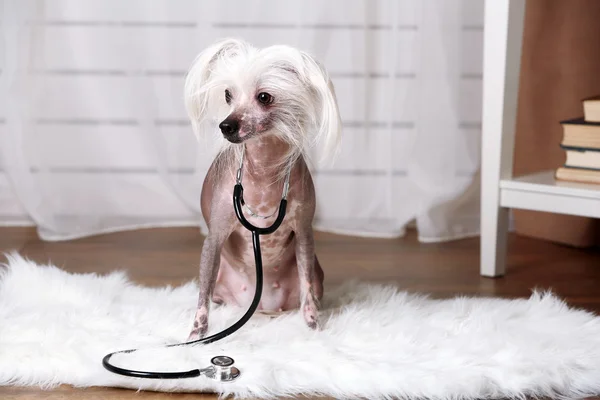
[(229, 127)]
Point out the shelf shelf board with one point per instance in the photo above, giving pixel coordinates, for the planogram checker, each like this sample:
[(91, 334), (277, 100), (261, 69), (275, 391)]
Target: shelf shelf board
[(542, 192)]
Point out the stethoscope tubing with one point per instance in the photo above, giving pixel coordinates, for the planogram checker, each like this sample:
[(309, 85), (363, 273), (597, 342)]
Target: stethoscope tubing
[(238, 202)]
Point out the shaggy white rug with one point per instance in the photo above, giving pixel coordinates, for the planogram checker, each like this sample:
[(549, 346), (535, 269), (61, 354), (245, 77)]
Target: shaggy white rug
[(376, 341)]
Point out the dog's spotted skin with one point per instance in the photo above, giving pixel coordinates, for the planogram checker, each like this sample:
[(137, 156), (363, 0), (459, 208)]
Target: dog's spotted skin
[(293, 277)]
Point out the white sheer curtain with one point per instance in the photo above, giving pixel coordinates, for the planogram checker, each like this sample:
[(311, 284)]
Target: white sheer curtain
[(94, 137)]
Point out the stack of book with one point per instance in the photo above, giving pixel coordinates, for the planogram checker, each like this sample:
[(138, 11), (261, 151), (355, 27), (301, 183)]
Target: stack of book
[(581, 143)]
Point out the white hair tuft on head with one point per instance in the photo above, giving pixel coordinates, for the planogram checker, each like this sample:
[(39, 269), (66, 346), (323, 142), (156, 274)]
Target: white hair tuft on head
[(225, 80)]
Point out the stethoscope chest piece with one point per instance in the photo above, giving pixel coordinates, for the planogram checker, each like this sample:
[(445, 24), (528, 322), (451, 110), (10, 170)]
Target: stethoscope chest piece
[(222, 369)]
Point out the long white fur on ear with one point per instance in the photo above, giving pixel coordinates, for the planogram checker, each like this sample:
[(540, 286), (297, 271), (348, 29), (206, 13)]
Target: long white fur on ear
[(197, 88), (329, 134)]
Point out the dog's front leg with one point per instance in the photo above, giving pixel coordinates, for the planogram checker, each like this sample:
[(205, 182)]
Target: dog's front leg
[(209, 267), (305, 258)]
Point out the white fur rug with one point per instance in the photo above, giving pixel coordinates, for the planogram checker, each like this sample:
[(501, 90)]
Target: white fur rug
[(376, 341)]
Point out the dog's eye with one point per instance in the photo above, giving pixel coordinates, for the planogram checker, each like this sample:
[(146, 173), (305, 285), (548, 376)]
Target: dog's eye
[(265, 98), (227, 96)]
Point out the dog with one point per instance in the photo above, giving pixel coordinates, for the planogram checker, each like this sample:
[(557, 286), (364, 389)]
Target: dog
[(275, 107)]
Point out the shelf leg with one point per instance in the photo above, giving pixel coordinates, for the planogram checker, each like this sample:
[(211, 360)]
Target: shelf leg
[(503, 37)]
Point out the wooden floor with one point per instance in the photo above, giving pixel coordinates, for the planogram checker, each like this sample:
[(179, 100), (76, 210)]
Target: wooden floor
[(170, 256)]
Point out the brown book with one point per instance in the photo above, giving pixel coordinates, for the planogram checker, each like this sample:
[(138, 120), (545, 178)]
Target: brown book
[(581, 133), (578, 175), (591, 109)]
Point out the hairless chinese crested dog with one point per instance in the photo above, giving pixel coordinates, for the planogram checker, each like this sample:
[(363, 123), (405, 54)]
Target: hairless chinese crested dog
[(274, 107)]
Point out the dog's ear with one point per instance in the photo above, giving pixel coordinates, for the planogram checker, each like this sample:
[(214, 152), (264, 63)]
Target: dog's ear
[(329, 124), (197, 88)]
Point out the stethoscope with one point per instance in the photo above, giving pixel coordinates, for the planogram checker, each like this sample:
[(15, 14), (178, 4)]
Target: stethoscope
[(221, 368)]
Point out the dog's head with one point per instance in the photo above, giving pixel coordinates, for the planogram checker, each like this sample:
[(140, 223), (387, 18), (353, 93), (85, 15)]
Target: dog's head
[(251, 92)]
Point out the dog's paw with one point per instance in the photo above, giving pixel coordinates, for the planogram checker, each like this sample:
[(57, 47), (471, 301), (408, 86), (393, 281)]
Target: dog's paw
[(200, 325), (195, 335), (311, 315)]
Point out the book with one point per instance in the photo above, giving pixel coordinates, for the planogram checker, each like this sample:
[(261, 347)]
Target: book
[(580, 157), (581, 133), (591, 109), (578, 175)]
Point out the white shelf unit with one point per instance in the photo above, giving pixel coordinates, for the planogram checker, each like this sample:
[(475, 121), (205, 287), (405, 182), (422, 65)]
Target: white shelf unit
[(500, 191)]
